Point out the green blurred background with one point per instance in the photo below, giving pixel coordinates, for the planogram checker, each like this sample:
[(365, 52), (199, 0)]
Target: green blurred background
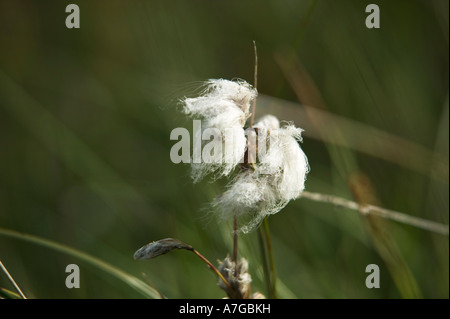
[(86, 114)]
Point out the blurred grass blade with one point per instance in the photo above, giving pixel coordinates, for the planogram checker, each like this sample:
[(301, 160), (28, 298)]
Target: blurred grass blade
[(128, 279), (346, 162), (54, 134), (265, 262), (273, 274), (8, 294), (345, 132), (59, 139), (383, 240)]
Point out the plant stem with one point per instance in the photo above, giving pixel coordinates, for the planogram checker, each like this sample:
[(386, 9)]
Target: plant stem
[(267, 257), (264, 258), (130, 280), (211, 266), (235, 246), (366, 209), (273, 275), (12, 280), (255, 84)]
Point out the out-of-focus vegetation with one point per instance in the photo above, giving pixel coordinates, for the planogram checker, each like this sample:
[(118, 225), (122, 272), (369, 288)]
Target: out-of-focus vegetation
[(86, 114)]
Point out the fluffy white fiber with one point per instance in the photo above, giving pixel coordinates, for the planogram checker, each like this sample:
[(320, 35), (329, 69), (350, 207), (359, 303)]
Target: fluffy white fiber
[(277, 177), (224, 106), (262, 187)]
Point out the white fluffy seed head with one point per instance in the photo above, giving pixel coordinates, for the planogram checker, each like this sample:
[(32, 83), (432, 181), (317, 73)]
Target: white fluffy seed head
[(268, 122), (274, 180), (224, 105), (221, 152)]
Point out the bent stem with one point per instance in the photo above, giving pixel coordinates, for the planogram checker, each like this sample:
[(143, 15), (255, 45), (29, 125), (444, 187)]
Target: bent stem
[(163, 246), (212, 267)]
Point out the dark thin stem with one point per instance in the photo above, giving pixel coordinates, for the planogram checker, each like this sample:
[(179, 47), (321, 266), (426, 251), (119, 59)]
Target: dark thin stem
[(255, 84), (235, 245)]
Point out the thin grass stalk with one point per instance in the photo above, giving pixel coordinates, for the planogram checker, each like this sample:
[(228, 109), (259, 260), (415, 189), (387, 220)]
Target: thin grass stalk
[(367, 209), (11, 279), (273, 275), (128, 279), (265, 263), (235, 245), (255, 84)]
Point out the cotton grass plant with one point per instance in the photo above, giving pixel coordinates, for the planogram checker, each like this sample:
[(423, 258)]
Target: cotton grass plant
[(265, 168), (387, 117), (270, 170)]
